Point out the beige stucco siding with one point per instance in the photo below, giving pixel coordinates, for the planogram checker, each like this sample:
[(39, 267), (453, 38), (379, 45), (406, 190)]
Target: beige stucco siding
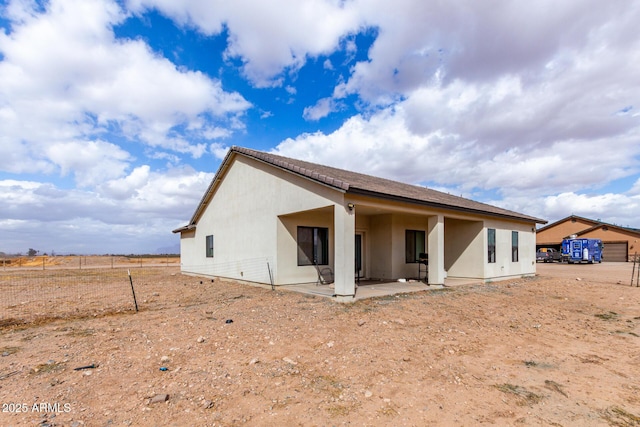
[(464, 248), (243, 216), (381, 246), (187, 246), (401, 223), (504, 266), (288, 270)]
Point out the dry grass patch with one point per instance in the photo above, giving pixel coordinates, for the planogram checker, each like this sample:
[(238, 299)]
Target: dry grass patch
[(524, 396), (619, 417)]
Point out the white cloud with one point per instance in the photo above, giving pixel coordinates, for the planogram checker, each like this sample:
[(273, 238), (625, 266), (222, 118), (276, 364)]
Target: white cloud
[(525, 176), (91, 161), (267, 37), (612, 208), (635, 190), (67, 80), (136, 212), (323, 108), (530, 106)]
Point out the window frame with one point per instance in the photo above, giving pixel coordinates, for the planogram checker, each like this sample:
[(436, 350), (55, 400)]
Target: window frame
[(515, 243), (209, 246), (491, 245), (410, 236), (317, 250)]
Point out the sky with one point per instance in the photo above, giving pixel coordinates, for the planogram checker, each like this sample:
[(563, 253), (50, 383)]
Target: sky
[(115, 115)]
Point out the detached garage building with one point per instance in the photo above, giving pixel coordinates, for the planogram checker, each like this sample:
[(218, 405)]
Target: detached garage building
[(272, 219), (620, 243)]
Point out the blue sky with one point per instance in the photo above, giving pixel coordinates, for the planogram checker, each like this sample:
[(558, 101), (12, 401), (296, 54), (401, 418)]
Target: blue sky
[(114, 116)]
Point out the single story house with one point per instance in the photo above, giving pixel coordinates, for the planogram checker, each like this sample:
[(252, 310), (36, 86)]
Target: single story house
[(280, 221), (620, 243)]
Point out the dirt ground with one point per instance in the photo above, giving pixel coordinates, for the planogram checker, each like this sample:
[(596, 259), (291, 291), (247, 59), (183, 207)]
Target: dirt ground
[(560, 349)]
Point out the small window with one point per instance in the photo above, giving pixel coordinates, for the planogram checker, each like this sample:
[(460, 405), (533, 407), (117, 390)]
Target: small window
[(313, 246), (210, 246), (514, 246), (491, 245), (414, 245)]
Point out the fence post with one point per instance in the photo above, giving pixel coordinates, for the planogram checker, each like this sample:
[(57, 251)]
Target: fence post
[(43, 263), (80, 259), (111, 262)]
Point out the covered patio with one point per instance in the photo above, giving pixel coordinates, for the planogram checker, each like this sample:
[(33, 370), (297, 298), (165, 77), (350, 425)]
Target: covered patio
[(378, 288)]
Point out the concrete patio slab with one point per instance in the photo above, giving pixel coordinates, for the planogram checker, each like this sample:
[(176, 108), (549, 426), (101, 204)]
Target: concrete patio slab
[(376, 288)]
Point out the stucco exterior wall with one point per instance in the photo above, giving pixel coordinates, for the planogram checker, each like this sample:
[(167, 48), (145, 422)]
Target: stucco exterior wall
[(243, 216), (464, 252), (187, 246), (380, 246), (401, 223), (504, 266), (288, 270)]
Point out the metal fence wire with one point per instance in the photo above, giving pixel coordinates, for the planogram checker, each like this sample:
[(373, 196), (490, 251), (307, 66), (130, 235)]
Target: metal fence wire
[(258, 270), (28, 296)]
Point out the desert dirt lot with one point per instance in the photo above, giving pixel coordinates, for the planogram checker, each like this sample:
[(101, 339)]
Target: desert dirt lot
[(560, 349)]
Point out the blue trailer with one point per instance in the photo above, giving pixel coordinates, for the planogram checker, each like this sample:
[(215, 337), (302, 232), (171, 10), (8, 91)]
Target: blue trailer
[(582, 250)]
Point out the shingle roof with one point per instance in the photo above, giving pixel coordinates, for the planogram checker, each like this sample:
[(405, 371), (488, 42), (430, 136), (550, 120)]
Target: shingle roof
[(358, 183), (375, 186)]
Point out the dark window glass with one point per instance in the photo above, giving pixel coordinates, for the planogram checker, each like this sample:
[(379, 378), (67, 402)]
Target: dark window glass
[(514, 246), (313, 246), (210, 246), (414, 245), (491, 245)]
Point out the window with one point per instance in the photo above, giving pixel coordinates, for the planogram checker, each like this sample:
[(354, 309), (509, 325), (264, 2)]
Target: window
[(514, 246), (414, 245), (491, 245), (313, 246), (210, 246)]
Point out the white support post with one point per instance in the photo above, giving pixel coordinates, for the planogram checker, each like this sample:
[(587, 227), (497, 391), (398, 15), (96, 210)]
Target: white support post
[(435, 241), (344, 229)]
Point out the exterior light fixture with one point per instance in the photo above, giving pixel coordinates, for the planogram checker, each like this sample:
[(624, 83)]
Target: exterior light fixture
[(351, 206)]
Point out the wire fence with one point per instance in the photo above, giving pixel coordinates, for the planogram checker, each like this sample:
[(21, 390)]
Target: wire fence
[(258, 270), (32, 295), (45, 262)]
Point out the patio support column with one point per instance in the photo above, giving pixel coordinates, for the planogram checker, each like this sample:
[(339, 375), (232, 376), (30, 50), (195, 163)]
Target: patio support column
[(344, 230), (435, 241)]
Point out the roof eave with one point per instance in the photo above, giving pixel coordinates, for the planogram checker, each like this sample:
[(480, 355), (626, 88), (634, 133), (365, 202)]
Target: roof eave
[(184, 228), (443, 205)]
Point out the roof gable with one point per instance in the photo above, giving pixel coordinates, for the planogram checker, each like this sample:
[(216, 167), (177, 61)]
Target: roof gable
[(572, 218), (357, 183)]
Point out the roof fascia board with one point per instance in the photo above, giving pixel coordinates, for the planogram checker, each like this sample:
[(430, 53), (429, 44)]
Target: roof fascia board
[(226, 162)]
